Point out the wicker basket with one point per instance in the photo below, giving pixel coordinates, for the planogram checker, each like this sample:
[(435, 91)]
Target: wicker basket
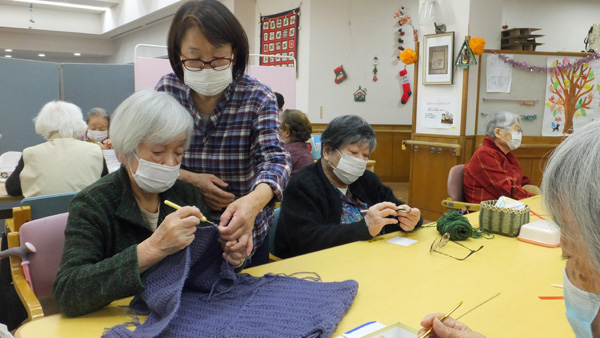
[(503, 221)]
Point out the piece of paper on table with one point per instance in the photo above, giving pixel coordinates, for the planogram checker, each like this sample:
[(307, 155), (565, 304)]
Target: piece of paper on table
[(362, 330), (402, 241), (507, 202), (112, 162)]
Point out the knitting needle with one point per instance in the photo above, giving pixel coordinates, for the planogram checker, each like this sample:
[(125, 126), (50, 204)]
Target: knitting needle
[(442, 319), (478, 305), (177, 207), (399, 210)]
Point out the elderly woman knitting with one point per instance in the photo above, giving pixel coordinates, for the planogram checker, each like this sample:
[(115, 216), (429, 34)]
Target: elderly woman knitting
[(571, 195), (323, 204), (119, 227), (494, 170)]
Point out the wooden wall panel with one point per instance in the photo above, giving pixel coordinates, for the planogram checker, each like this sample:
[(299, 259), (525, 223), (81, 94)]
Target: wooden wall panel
[(429, 175)]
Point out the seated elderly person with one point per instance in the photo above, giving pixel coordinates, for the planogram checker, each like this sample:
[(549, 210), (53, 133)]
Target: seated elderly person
[(494, 170), (97, 130), (571, 194), (323, 204), (119, 227), (62, 163), (295, 131)]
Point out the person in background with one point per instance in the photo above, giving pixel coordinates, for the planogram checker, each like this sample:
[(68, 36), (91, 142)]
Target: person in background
[(571, 194), (280, 100), (494, 170), (97, 121), (322, 206), (295, 131), (119, 227), (62, 163), (236, 158)]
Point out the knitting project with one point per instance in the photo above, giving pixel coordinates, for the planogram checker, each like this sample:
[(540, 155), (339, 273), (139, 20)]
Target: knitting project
[(196, 293)]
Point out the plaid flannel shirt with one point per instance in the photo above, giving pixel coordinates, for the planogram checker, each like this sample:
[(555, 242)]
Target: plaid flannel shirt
[(491, 173), (240, 143)]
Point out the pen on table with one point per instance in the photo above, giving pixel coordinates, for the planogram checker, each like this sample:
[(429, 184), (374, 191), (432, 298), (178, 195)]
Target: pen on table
[(442, 319), (177, 207)]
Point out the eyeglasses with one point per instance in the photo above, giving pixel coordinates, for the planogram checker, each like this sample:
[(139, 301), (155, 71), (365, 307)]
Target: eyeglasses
[(196, 65), (443, 241)]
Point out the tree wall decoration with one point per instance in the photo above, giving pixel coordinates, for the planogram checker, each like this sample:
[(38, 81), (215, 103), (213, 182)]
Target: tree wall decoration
[(569, 94)]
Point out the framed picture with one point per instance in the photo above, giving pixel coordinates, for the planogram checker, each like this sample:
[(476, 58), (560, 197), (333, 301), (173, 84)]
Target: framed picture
[(438, 65)]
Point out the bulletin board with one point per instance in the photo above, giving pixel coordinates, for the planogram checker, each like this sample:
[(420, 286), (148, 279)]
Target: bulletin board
[(279, 37), (527, 96)]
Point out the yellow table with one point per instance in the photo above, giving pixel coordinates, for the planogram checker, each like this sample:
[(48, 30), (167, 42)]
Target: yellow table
[(398, 283)]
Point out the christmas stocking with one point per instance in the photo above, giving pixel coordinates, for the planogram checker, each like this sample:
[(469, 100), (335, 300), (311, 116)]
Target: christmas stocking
[(405, 86), (340, 74)]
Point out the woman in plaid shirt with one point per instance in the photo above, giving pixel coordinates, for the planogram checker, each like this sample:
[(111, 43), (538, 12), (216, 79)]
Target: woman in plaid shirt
[(236, 158)]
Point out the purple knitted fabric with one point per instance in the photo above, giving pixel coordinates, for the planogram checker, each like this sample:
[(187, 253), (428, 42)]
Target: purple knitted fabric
[(195, 293)]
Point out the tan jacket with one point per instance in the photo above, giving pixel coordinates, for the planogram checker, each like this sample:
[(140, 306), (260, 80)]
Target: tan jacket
[(60, 165)]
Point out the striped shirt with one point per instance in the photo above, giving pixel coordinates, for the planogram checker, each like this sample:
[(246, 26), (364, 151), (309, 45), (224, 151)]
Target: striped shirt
[(240, 143)]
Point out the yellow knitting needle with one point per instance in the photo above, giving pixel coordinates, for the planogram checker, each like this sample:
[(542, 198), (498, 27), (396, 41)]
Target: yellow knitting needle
[(177, 207), (442, 319)]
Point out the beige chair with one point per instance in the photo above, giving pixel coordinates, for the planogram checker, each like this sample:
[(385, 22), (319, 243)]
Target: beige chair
[(456, 199)]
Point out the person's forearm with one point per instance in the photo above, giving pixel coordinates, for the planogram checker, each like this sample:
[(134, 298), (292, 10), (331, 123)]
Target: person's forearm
[(187, 176), (147, 255), (261, 195)]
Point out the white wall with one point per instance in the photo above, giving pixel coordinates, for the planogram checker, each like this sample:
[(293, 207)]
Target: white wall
[(564, 24), (153, 35), (18, 16), (351, 33)]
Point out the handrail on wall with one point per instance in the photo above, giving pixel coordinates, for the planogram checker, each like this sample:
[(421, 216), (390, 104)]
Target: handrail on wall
[(433, 146)]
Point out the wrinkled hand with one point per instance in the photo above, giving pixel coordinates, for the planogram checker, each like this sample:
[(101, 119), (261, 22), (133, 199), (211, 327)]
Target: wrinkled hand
[(449, 328), (376, 217), (176, 232), (234, 258), (211, 187), (237, 223), (408, 220), (106, 144)]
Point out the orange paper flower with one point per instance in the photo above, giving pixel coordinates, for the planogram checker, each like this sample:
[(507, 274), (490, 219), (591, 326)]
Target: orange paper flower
[(477, 45), (408, 56)]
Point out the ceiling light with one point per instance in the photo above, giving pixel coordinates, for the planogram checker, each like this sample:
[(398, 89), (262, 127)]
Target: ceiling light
[(7, 56), (77, 54), (64, 4), (41, 55), (8, 50), (430, 13)]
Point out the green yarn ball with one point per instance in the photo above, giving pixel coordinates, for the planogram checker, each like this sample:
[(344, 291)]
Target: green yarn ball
[(457, 225)]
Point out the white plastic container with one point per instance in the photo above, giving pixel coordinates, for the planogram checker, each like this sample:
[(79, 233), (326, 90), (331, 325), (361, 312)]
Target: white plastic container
[(540, 232)]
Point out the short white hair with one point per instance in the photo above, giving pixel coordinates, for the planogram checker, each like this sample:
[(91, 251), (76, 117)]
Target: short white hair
[(571, 188), (60, 117), (149, 116), (502, 120)]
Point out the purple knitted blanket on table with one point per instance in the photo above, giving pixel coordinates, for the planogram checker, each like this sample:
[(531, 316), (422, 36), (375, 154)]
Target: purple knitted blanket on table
[(195, 293)]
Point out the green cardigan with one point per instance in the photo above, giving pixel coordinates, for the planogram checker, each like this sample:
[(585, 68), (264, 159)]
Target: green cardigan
[(99, 262)]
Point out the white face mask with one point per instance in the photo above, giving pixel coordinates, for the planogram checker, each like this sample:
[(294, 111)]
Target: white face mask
[(97, 135), (349, 168), (516, 140), (208, 82), (582, 308), (153, 177)]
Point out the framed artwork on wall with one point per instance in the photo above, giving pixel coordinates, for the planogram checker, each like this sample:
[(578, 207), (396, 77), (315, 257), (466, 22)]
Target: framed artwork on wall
[(280, 38), (438, 66)]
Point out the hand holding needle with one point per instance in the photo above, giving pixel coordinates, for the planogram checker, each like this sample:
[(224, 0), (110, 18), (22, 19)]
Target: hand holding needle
[(442, 319), (177, 207)]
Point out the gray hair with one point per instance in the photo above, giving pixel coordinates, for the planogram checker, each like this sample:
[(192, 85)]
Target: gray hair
[(502, 120), (571, 188), (348, 129), (60, 117), (149, 116), (97, 112)]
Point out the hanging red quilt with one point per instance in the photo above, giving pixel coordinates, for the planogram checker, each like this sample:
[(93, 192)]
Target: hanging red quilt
[(279, 37)]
